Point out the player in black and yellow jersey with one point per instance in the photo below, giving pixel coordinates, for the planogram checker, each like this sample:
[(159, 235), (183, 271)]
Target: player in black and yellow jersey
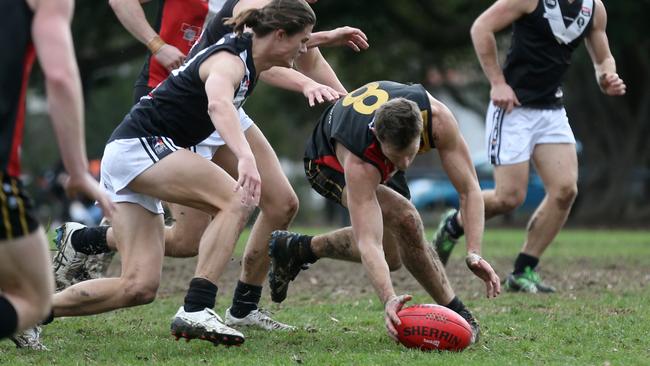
[(356, 157)]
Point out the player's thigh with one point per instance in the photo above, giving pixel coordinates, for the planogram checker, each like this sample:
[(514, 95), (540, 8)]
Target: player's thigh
[(276, 188), (556, 164), (186, 178), (511, 180), (25, 265), (397, 211)]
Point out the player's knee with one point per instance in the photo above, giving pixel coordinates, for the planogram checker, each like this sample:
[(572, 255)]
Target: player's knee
[(409, 223), (183, 245), (183, 249), (291, 206), (281, 209), (565, 195), (510, 200), (140, 292), (237, 209)]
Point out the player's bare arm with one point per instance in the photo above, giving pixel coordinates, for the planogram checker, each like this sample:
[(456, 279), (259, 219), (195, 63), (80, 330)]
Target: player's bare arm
[(601, 56), (314, 66), (54, 47), (222, 74), (457, 163), (131, 15), (497, 17), (290, 79), (362, 180)]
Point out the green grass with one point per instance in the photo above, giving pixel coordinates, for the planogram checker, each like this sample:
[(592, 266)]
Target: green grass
[(591, 325)]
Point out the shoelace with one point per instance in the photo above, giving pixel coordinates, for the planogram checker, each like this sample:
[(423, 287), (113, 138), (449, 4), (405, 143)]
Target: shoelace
[(265, 317), (214, 315), (60, 256)]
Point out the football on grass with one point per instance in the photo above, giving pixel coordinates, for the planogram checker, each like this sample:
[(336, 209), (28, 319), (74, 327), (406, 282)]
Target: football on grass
[(433, 327)]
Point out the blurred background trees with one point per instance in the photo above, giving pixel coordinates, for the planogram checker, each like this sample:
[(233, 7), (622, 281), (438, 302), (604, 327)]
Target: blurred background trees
[(422, 41)]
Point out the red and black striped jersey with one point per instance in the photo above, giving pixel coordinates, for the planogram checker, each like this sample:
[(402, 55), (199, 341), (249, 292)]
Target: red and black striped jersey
[(16, 57)]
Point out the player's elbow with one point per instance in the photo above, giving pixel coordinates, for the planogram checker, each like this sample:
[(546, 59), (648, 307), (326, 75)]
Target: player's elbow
[(60, 80), (218, 105), (115, 4), (475, 30), (478, 30)]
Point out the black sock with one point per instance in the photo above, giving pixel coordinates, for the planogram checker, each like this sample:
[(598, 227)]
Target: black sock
[(456, 305), (90, 240), (201, 294), (523, 261), (245, 299), (8, 318), (305, 252), (453, 227), (49, 319)]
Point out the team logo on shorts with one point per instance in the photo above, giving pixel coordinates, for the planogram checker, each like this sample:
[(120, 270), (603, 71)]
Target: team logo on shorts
[(159, 147)]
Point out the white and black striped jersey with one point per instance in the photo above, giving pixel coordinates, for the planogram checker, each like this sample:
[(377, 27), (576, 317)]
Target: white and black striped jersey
[(178, 107), (540, 53)]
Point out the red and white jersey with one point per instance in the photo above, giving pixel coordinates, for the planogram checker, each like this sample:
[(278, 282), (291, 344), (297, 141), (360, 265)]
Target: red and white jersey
[(179, 23)]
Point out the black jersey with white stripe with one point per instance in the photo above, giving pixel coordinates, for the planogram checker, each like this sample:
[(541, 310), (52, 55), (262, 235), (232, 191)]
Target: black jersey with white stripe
[(178, 107), (349, 120), (215, 29), (537, 60), (16, 57)]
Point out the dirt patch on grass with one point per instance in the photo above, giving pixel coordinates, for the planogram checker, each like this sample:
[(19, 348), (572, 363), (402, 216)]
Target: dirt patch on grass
[(330, 279)]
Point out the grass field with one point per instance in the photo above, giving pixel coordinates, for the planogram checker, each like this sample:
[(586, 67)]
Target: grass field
[(600, 316)]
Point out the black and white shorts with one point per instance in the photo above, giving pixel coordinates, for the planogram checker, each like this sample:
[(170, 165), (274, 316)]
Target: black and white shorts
[(511, 137), (125, 159)]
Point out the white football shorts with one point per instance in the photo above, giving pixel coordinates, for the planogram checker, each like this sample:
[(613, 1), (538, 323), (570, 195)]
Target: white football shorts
[(511, 137)]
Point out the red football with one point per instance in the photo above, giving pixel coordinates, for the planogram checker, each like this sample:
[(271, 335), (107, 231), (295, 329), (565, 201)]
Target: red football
[(433, 327)]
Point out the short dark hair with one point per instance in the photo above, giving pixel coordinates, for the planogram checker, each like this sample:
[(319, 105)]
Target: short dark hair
[(398, 122), (292, 16)]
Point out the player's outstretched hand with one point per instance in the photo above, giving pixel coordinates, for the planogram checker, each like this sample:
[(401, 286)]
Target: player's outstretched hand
[(348, 36), (249, 182), (319, 93), (612, 84), (88, 186), (483, 270), (391, 308)]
